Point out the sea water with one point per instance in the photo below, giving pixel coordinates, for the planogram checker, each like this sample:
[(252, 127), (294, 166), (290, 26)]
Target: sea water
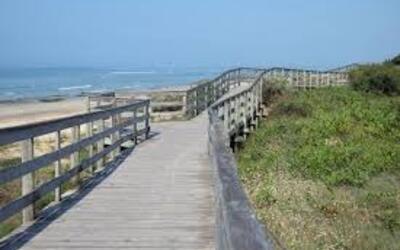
[(33, 83)]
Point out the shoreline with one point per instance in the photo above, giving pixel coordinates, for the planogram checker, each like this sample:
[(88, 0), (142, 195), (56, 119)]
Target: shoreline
[(28, 110), (60, 97)]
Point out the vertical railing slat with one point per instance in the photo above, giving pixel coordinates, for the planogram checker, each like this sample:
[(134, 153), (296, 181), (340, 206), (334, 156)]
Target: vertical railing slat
[(57, 166), (28, 180)]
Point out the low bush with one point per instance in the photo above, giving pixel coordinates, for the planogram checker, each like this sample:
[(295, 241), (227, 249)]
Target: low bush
[(377, 78), (395, 60)]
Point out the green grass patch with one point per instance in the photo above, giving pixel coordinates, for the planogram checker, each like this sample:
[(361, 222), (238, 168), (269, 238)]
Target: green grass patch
[(323, 170)]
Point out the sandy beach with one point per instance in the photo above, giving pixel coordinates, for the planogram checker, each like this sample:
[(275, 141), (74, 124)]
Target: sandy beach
[(19, 113)]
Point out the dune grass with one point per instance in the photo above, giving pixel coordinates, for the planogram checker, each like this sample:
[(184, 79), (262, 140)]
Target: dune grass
[(323, 170)]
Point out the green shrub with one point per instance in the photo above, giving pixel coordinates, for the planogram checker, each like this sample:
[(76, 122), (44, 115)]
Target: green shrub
[(337, 135), (292, 108), (396, 60), (376, 78), (273, 89), (329, 179)]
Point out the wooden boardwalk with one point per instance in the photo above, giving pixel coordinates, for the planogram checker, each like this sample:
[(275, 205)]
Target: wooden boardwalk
[(160, 197)]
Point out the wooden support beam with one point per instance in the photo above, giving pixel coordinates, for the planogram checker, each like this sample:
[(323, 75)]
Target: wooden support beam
[(28, 180), (147, 122), (89, 131), (100, 144), (135, 128), (57, 167), (74, 161)]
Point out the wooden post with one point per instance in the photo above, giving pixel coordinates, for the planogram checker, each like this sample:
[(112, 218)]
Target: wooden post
[(114, 137), (238, 78), (196, 102), (90, 147), (147, 122), (253, 108), (135, 141), (89, 131), (88, 104), (76, 131), (57, 167), (184, 105), (237, 111), (244, 110), (100, 145), (205, 97), (28, 180), (226, 114)]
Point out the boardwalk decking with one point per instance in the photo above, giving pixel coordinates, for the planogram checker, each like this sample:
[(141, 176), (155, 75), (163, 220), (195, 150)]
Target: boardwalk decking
[(160, 197)]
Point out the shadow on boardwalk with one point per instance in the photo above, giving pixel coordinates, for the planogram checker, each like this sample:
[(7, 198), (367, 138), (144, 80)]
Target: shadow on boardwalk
[(47, 216)]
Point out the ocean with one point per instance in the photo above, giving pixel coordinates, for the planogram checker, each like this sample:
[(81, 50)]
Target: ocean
[(36, 83)]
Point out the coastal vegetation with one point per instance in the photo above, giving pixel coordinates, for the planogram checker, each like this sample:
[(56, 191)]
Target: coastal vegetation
[(377, 78), (323, 169)]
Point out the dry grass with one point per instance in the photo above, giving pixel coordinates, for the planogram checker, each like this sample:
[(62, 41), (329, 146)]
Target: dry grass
[(307, 214)]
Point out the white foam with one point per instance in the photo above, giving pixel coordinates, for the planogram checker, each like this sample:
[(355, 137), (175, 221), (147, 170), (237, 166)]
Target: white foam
[(75, 87), (132, 72)]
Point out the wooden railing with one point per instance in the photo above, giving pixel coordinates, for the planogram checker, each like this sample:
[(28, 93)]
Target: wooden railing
[(106, 131), (165, 104), (234, 115), (231, 118), (190, 102), (203, 95)]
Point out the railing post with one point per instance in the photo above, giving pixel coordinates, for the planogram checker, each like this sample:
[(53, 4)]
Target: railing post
[(227, 114), (184, 104), (135, 126), (100, 144), (244, 108), (57, 167), (115, 135), (89, 131), (205, 97), (90, 147), (76, 131), (147, 121), (196, 102), (88, 107), (238, 78), (28, 180)]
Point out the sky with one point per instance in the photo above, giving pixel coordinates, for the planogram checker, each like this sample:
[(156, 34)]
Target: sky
[(204, 33)]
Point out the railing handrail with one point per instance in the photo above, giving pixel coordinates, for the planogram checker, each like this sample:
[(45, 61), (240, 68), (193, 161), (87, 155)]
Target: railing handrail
[(13, 134), (237, 225), (124, 122)]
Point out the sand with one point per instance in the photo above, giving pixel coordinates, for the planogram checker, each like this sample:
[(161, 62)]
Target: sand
[(19, 113)]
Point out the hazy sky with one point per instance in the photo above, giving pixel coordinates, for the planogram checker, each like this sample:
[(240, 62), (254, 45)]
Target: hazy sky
[(125, 33)]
